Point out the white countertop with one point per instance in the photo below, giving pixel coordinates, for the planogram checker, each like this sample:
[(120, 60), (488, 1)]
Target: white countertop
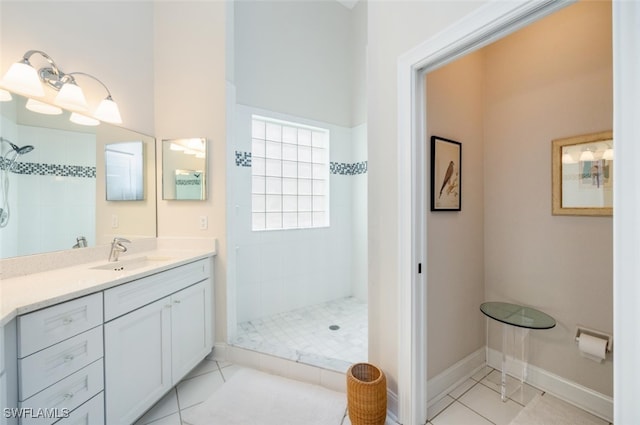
[(23, 294)]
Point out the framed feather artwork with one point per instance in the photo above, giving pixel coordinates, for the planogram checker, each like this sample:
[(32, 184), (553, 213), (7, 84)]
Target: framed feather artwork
[(446, 161)]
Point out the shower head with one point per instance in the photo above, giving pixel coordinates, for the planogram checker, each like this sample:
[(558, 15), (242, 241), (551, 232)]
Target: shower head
[(18, 150), (24, 149)]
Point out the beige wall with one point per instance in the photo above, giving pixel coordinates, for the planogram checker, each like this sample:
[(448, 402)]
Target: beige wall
[(455, 243), (189, 86), (550, 80)]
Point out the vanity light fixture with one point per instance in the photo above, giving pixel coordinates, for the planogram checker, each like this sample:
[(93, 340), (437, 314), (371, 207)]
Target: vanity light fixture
[(23, 78), (42, 108), (5, 96), (567, 158), (608, 154), (83, 119)]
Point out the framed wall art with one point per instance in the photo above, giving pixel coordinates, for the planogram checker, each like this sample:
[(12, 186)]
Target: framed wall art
[(582, 175), (446, 161)]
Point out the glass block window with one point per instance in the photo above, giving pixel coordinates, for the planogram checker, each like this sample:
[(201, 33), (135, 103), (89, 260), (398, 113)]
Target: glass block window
[(290, 175)]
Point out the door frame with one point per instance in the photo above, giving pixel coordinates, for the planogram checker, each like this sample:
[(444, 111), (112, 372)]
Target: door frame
[(483, 26)]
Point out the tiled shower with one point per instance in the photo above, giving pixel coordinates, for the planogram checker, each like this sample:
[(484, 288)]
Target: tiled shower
[(300, 293)]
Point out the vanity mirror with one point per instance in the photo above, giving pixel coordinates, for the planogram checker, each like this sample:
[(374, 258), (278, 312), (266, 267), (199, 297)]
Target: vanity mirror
[(184, 163), (57, 191)]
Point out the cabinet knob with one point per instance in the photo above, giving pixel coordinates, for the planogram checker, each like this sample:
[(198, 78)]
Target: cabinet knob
[(167, 306), (68, 358), (176, 301), (67, 320), (68, 396)]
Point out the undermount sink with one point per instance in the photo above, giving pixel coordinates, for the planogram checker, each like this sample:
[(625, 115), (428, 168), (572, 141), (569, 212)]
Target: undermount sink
[(133, 263)]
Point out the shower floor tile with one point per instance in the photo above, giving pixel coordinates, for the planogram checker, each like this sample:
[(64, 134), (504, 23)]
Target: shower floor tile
[(304, 335)]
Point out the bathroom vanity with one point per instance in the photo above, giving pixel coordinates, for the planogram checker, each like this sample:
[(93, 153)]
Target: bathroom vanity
[(100, 343)]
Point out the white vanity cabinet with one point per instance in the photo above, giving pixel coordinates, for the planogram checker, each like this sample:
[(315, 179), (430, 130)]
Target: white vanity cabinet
[(60, 350), (158, 328)]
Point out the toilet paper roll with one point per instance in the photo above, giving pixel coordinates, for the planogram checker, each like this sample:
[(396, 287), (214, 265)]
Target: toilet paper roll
[(593, 348)]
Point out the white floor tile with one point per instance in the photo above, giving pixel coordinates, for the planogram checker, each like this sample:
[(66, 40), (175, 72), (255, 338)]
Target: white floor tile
[(487, 403), (205, 366), (438, 407), (479, 375), (462, 388), (165, 407), (458, 414), (229, 371), (168, 420), (196, 390)]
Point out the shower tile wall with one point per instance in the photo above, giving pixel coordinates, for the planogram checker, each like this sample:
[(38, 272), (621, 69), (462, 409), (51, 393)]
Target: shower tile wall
[(279, 271), (56, 187)]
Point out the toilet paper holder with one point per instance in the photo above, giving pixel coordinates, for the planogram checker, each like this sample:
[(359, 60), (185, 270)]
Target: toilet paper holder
[(597, 334)]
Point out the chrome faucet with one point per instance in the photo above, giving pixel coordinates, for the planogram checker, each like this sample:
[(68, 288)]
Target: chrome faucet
[(81, 242), (117, 248)]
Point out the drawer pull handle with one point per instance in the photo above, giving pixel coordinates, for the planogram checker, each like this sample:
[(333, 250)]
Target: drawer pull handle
[(67, 320), (177, 301), (167, 306), (68, 396), (68, 358)]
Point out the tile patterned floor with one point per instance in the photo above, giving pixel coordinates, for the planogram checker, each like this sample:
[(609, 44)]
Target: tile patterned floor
[(304, 335), (474, 402)]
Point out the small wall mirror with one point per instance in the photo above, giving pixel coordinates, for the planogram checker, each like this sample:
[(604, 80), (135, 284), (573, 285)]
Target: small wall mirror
[(583, 175), (124, 163), (184, 163)]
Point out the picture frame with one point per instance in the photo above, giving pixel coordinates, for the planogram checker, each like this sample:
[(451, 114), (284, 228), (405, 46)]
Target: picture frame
[(582, 175), (446, 174)]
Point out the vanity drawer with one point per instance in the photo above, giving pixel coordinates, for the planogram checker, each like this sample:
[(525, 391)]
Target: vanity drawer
[(40, 370), (90, 413), (48, 326), (68, 393), (128, 297)]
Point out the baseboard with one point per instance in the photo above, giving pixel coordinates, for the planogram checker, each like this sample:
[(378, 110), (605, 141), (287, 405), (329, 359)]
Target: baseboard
[(392, 405), (443, 383), (569, 391)]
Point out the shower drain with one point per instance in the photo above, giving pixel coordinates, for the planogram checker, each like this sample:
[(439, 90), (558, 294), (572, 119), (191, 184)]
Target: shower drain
[(334, 327)]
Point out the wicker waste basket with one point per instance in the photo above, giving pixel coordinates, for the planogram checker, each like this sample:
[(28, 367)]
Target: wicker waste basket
[(366, 394)]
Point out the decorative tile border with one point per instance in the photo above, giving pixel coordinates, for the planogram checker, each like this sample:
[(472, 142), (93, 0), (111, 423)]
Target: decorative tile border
[(243, 159), (32, 168), (348, 169)]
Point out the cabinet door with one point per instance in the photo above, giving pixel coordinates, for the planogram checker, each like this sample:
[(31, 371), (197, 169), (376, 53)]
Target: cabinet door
[(137, 361), (190, 328)]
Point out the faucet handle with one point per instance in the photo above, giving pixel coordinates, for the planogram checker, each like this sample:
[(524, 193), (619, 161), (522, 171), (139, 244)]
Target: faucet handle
[(118, 239)]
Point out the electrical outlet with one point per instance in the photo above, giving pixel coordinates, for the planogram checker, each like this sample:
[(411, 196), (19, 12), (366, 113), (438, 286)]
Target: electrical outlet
[(114, 221), (204, 222)]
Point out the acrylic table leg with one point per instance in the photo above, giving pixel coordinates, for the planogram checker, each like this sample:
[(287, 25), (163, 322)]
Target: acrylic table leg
[(503, 378)]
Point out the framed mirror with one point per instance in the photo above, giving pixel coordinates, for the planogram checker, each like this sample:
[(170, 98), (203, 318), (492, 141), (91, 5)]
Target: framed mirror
[(124, 164), (184, 163), (582, 175)]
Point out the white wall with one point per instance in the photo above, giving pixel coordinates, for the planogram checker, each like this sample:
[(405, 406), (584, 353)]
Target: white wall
[(189, 86), (298, 62), (281, 270), (393, 29), (295, 58)]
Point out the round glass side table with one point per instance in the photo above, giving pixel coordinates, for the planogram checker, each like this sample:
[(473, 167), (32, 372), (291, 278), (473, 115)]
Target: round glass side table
[(513, 315)]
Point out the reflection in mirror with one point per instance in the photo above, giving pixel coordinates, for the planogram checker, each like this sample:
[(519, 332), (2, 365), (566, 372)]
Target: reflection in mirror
[(124, 163), (184, 169), (56, 195)]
